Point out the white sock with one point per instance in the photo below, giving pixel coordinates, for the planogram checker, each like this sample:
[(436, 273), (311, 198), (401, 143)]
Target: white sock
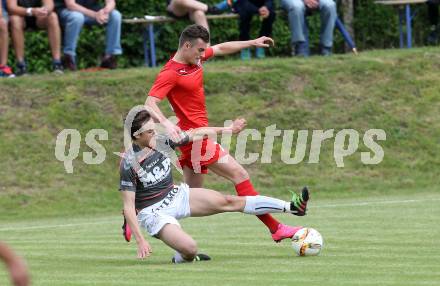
[(258, 205), (179, 259)]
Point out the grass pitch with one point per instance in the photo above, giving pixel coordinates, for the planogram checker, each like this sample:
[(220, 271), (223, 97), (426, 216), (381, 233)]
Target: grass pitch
[(379, 229), (386, 240), (397, 91)]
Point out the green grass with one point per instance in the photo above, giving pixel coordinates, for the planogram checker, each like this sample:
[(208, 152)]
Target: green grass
[(395, 90), (67, 225), (385, 240)]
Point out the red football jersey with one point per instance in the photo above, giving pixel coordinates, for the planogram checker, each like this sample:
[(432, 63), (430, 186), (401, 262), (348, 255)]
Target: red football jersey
[(182, 84)]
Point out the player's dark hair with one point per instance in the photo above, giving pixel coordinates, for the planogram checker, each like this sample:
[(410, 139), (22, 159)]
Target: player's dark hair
[(192, 33), (139, 119)]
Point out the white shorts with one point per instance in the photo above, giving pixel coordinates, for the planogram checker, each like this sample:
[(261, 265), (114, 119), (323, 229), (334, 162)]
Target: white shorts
[(173, 207)]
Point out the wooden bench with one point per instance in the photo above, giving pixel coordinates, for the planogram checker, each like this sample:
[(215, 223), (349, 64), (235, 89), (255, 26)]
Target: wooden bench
[(148, 34), (404, 10), (149, 21)]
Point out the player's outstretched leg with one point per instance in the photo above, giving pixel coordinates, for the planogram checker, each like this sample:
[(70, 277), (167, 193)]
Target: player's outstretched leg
[(259, 205), (234, 172), (207, 202)]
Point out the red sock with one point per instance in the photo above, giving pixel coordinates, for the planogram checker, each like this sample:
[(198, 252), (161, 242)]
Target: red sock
[(246, 189)]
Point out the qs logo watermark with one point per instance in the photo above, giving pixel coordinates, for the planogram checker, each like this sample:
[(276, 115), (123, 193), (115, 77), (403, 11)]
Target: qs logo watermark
[(346, 143)]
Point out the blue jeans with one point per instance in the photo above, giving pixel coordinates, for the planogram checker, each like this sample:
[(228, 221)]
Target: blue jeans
[(5, 14), (73, 21), (296, 12)]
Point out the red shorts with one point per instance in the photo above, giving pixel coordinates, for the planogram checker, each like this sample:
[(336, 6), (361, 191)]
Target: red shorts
[(204, 153)]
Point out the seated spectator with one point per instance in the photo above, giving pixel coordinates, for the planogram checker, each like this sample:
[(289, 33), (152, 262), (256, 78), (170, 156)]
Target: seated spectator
[(195, 10), (5, 71), (246, 9), (74, 14), (297, 10), (433, 21), (34, 14)]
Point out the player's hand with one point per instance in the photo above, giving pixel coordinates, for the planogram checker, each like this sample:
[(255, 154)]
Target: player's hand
[(19, 273), (238, 125), (144, 249), (264, 12), (40, 12), (173, 131), (263, 42), (312, 4)]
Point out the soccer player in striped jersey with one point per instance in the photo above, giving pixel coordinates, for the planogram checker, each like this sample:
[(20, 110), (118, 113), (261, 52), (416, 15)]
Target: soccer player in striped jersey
[(153, 201)]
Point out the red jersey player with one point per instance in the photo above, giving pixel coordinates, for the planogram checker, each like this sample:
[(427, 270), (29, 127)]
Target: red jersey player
[(181, 82)]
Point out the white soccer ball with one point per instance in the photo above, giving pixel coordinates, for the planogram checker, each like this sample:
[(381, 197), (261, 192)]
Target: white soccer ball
[(307, 242)]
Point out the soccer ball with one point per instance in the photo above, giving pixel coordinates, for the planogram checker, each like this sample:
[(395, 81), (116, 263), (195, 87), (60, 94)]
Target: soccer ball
[(307, 242)]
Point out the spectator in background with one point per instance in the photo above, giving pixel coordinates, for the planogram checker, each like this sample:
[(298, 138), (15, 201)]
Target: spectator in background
[(5, 71), (15, 265), (297, 10), (75, 13), (195, 10), (246, 9), (225, 5), (34, 14), (433, 21)]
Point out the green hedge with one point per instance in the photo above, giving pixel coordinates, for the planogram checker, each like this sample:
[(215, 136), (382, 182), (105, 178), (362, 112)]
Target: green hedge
[(375, 27)]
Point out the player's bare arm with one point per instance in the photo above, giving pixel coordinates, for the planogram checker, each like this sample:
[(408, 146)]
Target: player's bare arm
[(144, 248), (200, 133), (16, 266), (172, 130), (236, 46)]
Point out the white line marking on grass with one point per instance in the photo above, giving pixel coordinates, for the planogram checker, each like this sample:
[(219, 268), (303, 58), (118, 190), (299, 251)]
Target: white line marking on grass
[(360, 204), (374, 203), (55, 226)]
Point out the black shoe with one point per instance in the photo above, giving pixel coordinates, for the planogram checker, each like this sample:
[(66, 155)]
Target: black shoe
[(199, 257), (68, 62), (57, 67), (109, 62), (214, 10), (298, 203), (21, 69), (202, 257)]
